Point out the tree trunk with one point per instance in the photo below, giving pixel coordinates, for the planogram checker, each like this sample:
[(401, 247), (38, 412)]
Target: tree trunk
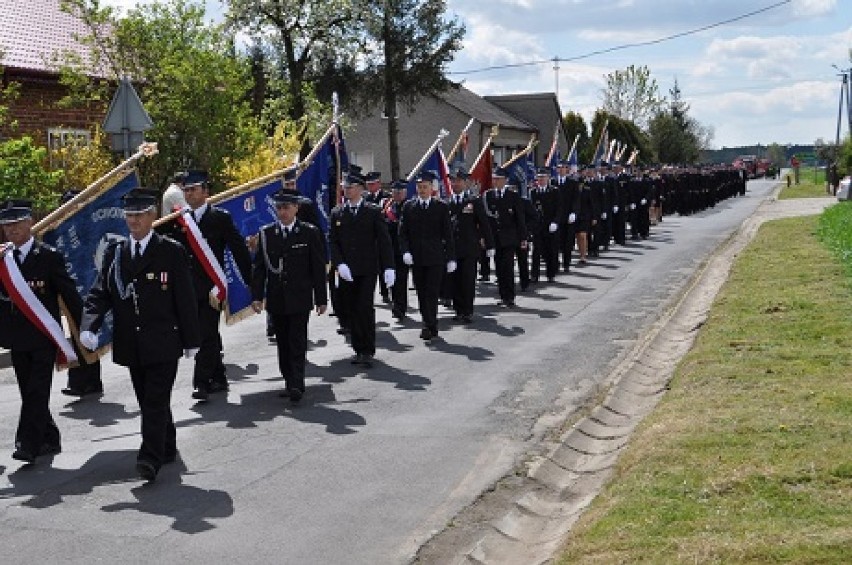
[(390, 93)]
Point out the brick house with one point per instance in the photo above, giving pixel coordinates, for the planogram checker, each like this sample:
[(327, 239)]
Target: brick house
[(518, 116), (32, 32)]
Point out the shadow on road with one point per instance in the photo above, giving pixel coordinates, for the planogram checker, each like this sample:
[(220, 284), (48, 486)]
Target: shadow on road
[(99, 414)]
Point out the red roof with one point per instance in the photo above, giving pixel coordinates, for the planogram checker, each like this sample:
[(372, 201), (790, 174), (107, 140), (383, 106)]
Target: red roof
[(33, 31)]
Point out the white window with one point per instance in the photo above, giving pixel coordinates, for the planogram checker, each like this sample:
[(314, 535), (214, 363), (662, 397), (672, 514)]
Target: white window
[(364, 159), (60, 141)]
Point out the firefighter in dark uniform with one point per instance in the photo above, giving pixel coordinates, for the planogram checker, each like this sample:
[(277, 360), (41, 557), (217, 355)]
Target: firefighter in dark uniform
[(376, 195), (146, 283), (471, 236), (33, 351), (392, 211), (360, 248), (547, 202), (522, 251), (508, 224), (289, 274), (620, 202), (567, 185), (218, 229), (426, 242)]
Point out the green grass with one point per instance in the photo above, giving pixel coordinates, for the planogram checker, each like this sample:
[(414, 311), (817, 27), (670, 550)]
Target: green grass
[(811, 185), (748, 458)]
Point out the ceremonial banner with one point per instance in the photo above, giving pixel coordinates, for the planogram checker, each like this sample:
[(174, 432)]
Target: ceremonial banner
[(435, 162), (83, 235)]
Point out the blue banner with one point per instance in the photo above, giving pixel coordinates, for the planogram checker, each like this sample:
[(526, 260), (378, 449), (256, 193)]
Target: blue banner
[(84, 236), (437, 164)]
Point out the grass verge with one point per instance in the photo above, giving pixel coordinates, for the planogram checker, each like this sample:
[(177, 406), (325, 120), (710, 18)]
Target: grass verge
[(748, 458), (811, 185)]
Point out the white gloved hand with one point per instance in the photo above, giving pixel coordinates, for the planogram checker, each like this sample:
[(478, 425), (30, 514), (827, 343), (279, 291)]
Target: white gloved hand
[(407, 258), (603, 216), (89, 340), (643, 202), (553, 227), (190, 352), (344, 272), (572, 217), (451, 266), (615, 209), (490, 253), (389, 277), (633, 206)]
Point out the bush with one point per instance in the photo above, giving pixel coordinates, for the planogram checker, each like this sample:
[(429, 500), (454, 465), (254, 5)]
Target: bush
[(23, 173)]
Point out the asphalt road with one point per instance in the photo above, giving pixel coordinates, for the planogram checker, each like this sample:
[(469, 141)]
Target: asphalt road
[(373, 462)]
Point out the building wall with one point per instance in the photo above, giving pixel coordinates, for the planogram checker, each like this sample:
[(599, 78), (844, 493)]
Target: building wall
[(367, 139), (36, 108)]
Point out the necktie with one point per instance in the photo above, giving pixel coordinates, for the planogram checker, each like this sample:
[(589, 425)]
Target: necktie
[(286, 232), (138, 251), (17, 254)]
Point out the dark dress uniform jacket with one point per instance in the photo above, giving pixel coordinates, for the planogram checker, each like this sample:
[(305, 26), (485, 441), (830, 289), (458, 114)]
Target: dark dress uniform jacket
[(426, 233), (360, 240), (163, 320), (507, 217), (300, 257), (44, 270), (219, 230), (469, 224)]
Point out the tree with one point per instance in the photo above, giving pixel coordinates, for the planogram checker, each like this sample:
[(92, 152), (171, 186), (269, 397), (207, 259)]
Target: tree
[(777, 155), (299, 31), (675, 136), (23, 175), (412, 42), (575, 125), (193, 84), (632, 95)]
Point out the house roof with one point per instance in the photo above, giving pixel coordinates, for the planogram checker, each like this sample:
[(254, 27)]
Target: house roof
[(33, 31), (481, 109), (541, 109)]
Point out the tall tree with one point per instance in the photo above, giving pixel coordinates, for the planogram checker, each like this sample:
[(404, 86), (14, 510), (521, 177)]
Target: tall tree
[(575, 125), (632, 94), (193, 85), (302, 32), (677, 137), (412, 43)]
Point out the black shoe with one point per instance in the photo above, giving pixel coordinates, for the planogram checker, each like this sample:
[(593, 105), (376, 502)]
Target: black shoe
[(509, 304), (200, 394), (24, 455), (457, 318), (295, 395), (434, 332), (467, 319), (426, 334), (50, 449), (218, 386), (447, 303), (398, 315), (80, 392), (343, 331), (357, 360), (366, 360), (146, 470), (386, 299)]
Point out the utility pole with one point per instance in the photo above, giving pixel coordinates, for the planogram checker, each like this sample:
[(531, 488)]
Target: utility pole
[(845, 93), (556, 73)]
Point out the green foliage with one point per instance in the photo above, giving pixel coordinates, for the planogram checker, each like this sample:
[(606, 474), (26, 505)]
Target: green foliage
[(624, 131), (676, 137), (575, 125), (844, 161), (187, 74), (632, 94), (835, 231), (23, 175)]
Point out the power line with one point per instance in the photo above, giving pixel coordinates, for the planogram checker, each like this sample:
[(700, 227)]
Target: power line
[(624, 46)]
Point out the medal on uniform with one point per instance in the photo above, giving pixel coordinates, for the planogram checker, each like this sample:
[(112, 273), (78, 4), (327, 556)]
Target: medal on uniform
[(150, 276), (164, 279)]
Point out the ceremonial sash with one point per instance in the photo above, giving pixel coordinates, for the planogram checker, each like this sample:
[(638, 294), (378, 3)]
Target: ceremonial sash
[(23, 298), (206, 257)]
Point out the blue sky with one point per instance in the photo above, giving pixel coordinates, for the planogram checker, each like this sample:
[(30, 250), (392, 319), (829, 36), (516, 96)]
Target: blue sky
[(765, 78)]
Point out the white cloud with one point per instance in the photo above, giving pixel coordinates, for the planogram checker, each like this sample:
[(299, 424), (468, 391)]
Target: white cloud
[(813, 8)]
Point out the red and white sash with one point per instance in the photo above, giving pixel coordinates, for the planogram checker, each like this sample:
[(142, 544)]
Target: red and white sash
[(205, 256), (23, 298)]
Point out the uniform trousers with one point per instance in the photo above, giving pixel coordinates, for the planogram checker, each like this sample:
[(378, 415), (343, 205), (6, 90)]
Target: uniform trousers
[(463, 285), (618, 227), (291, 339), (85, 377), (523, 255), (505, 261), (567, 233), (357, 299), (208, 361), (152, 383), (546, 247), (427, 284), (400, 288), (34, 372)]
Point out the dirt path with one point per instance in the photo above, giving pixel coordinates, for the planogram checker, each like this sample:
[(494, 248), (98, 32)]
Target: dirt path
[(526, 517)]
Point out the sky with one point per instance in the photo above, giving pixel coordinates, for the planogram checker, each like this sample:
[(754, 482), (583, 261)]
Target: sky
[(764, 78)]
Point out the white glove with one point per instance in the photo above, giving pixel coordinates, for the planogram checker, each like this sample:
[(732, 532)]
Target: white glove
[(89, 340), (344, 272), (389, 277), (615, 209), (490, 253), (553, 227), (633, 206), (190, 352), (451, 266), (643, 202), (572, 217), (603, 216), (407, 258)]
